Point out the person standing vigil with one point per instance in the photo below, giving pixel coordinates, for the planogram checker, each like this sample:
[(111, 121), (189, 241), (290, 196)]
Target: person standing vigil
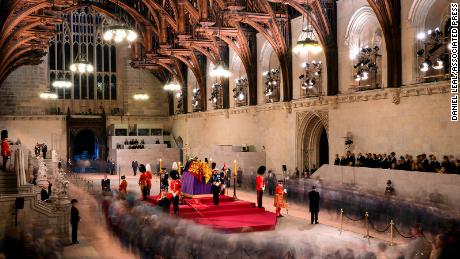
[(74, 220), (6, 152), (143, 183), (313, 197), (216, 182), (176, 189), (260, 185), (134, 165)]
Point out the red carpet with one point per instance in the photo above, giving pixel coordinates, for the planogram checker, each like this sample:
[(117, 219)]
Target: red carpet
[(230, 215)]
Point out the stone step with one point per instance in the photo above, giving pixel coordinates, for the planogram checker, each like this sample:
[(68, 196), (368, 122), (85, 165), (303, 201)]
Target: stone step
[(8, 183)]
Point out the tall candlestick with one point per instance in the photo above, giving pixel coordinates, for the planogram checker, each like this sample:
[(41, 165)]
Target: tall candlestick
[(178, 167), (161, 164), (210, 162), (234, 179)]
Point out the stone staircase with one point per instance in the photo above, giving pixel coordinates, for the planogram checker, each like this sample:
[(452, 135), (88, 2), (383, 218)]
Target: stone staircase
[(8, 183)]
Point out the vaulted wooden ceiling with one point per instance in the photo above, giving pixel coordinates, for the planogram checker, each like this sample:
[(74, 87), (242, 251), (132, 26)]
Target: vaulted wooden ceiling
[(177, 32)]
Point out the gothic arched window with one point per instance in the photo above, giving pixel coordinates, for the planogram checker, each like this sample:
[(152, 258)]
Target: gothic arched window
[(79, 34)]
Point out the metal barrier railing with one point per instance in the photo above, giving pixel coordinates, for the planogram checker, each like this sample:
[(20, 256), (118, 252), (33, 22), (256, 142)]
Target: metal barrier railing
[(368, 223)]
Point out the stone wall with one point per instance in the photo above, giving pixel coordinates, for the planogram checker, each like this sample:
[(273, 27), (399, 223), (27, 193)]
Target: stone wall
[(20, 92), (42, 129), (430, 188), (152, 156), (410, 120)]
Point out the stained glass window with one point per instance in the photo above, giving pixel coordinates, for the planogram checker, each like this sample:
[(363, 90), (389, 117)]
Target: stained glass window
[(81, 34)]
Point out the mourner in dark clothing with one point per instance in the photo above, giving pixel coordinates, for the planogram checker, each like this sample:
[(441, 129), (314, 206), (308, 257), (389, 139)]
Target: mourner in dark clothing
[(134, 165), (105, 184), (44, 194), (74, 219), (44, 150), (164, 179), (337, 160), (239, 177), (313, 197)]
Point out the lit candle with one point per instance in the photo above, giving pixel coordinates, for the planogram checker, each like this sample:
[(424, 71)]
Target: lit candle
[(234, 167), (161, 164), (178, 168)]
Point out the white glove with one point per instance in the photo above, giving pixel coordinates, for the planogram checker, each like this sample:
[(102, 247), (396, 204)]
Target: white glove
[(174, 194), (263, 188), (285, 191)]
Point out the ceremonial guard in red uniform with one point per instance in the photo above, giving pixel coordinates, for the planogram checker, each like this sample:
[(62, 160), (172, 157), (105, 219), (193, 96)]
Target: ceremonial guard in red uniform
[(260, 185), (175, 188), (143, 181), (123, 186), (6, 152), (279, 198)]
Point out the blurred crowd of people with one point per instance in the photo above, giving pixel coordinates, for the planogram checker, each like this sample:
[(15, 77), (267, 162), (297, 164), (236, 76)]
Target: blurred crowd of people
[(34, 240), (422, 162), (149, 232)]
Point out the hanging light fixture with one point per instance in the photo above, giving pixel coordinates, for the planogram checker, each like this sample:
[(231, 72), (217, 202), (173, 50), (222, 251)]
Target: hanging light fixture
[(48, 95), (309, 43), (195, 97), (432, 52), (172, 85), (239, 92), (140, 95), (81, 64), (61, 83), (120, 32), (219, 70)]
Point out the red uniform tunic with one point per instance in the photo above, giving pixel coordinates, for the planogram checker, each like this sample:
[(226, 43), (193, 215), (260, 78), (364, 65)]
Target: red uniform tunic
[(143, 180), (260, 184), (123, 186), (176, 186), (149, 179), (6, 148), (279, 197)]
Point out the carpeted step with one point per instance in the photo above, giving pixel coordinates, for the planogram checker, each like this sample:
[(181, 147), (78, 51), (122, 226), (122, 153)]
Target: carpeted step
[(221, 206), (220, 213), (236, 223)]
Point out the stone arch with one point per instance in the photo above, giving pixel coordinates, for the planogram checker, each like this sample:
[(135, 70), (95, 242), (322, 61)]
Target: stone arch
[(310, 126), (267, 56), (419, 11), (364, 29), (357, 24)]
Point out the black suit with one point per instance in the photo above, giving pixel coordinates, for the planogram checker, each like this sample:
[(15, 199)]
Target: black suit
[(337, 161), (426, 165), (313, 198), (434, 165), (74, 219)]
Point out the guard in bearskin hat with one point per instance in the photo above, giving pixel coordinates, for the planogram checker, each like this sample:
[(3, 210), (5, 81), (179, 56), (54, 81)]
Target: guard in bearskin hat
[(6, 152), (143, 183), (175, 188), (260, 185)]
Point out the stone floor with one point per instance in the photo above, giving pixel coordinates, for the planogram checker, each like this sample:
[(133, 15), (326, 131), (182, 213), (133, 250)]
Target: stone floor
[(97, 242)]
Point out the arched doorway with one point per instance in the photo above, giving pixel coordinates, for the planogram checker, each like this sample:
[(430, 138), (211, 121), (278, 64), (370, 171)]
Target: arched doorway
[(323, 149), (312, 139), (85, 146)]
